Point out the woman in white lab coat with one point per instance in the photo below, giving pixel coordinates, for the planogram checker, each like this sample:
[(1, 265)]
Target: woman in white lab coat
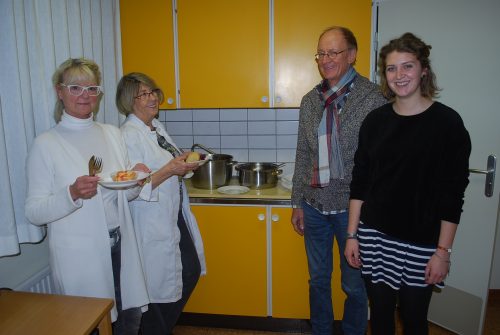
[(80, 214), (167, 232)]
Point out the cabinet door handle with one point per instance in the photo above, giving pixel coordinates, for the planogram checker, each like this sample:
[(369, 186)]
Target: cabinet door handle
[(170, 101), (275, 217), (264, 99), (261, 217)]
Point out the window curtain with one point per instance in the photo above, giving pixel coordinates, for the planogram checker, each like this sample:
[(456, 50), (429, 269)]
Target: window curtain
[(36, 36)]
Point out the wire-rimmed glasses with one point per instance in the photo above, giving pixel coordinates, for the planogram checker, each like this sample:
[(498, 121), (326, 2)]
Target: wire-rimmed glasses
[(78, 90), (330, 53), (147, 95)]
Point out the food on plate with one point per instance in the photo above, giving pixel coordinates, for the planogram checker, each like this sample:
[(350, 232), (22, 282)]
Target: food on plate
[(193, 157), (124, 175)]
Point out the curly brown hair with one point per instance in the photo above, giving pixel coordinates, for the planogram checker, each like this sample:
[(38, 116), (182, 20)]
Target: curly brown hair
[(410, 43)]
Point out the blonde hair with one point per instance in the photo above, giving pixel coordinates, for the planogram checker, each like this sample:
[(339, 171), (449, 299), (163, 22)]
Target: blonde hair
[(128, 88), (72, 71)]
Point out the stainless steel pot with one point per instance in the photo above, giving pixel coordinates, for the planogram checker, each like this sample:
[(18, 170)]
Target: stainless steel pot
[(258, 175), (216, 172)]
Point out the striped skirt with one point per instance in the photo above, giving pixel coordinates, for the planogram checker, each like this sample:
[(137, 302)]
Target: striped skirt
[(391, 261)]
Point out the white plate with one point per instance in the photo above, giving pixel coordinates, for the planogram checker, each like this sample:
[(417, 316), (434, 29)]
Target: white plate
[(233, 189), (200, 163), (108, 182), (188, 175)]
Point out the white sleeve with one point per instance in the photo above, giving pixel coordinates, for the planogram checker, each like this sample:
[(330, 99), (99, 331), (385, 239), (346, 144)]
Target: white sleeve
[(43, 204), (135, 148)]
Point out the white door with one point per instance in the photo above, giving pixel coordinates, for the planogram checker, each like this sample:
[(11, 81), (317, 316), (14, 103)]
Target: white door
[(465, 39)]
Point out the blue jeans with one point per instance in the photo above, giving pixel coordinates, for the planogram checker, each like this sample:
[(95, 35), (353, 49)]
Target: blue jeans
[(319, 232), (129, 320)]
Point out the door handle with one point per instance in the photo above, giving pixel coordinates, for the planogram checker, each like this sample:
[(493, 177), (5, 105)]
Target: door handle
[(491, 166)]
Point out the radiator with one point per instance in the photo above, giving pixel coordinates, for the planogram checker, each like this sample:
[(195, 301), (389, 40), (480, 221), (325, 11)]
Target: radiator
[(40, 282)]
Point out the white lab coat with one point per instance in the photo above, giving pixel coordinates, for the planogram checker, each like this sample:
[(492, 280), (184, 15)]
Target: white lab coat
[(155, 215), (80, 254)]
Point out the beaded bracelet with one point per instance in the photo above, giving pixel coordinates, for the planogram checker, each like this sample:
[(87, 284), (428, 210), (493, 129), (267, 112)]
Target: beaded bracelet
[(440, 247)]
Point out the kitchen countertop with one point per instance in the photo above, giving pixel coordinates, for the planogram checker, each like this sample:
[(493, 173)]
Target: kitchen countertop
[(276, 195)]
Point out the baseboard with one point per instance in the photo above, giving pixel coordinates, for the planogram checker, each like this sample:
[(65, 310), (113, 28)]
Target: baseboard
[(494, 294), (245, 322)]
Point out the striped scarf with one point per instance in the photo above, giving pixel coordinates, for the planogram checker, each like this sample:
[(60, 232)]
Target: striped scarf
[(330, 164)]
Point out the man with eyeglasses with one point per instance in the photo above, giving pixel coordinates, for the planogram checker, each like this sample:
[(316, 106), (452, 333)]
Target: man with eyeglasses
[(330, 117)]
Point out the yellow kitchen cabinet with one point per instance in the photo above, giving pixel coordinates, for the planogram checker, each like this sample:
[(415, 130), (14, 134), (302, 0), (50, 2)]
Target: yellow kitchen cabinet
[(239, 252), (223, 53), (235, 249), (297, 26), (148, 43), (236, 54), (290, 287)]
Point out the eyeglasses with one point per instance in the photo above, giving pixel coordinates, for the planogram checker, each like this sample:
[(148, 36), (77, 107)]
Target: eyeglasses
[(77, 90), (147, 95), (331, 54)]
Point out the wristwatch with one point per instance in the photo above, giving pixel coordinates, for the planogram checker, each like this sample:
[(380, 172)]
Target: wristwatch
[(351, 236)]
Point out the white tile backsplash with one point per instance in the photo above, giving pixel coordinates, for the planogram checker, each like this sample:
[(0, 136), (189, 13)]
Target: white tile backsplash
[(161, 116), (261, 127), (287, 127), (233, 127), (233, 115), (234, 142), (286, 142), (183, 142), (287, 114), (239, 155), (285, 155), (261, 114), (206, 128), (262, 141), (256, 155), (171, 115), (179, 128), (211, 142), (205, 115), (249, 135)]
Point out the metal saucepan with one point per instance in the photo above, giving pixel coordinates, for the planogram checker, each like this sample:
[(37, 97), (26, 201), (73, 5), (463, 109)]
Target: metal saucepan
[(258, 175), (216, 172)]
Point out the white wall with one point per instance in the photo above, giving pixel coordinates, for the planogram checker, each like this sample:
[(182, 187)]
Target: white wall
[(14, 270), (495, 272)]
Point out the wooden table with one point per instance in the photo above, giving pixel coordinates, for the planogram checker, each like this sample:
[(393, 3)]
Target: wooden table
[(23, 313)]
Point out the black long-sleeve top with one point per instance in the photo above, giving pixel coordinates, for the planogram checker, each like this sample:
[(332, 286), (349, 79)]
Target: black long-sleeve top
[(411, 172)]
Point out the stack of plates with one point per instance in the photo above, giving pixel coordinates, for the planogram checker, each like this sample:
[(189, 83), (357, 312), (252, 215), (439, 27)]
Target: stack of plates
[(286, 182)]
